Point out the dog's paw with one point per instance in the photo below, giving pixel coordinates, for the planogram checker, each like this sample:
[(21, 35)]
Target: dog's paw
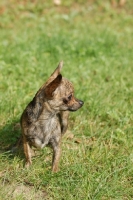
[(27, 164), (55, 169)]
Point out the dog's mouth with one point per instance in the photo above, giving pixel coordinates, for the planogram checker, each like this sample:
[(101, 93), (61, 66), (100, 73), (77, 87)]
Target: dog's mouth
[(76, 107), (72, 110)]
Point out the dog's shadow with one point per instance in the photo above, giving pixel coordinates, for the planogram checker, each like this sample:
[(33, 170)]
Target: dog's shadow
[(10, 139)]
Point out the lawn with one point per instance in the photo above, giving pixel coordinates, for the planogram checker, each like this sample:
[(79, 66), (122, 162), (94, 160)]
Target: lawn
[(95, 41)]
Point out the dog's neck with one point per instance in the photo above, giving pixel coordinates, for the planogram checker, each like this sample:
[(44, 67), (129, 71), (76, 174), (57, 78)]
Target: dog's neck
[(47, 112)]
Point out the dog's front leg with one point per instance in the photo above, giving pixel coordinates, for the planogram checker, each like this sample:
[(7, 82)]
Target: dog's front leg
[(27, 152), (64, 121), (56, 157)]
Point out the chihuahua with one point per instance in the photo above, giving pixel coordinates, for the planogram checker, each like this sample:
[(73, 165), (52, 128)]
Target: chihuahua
[(45, 119)]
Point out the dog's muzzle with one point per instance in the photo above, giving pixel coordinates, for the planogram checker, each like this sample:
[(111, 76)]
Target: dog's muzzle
[(76, 106), (81, 103)]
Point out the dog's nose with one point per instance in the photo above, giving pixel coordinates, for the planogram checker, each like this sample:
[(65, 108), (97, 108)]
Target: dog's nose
[(81, 102)]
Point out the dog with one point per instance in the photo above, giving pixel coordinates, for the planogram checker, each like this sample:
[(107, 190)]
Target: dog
[(45, 119)]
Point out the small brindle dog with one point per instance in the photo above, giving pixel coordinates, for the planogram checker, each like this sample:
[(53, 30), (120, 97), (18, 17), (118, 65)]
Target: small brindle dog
[(45, 119)]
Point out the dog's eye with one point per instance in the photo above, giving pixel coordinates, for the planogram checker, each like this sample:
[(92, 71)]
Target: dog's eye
[(65, 101), (70, 97)]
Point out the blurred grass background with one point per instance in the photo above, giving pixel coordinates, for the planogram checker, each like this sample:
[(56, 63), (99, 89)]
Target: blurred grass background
[(95, 42)]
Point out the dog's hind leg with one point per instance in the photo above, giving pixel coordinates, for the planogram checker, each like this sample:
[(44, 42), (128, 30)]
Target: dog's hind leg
[(27, 152)]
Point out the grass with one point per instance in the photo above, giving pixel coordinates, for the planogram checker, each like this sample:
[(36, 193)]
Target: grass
[(95, 42)]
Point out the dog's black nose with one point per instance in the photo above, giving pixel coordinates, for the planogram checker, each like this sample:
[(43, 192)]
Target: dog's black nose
[(81, 102)]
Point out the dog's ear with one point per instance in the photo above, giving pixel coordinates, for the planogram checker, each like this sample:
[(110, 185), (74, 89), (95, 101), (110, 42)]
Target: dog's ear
[(52, 86), (52, 82), (57, 70)]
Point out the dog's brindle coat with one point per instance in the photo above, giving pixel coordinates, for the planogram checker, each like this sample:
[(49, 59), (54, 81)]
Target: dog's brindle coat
[(45, 119)]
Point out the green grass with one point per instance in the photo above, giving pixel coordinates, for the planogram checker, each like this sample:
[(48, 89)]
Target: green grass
[(95, 42)]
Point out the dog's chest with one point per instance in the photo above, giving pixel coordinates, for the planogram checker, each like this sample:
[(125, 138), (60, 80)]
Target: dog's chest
[(46, 132)]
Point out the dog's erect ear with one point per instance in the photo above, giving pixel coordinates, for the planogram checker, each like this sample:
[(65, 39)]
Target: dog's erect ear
[(52, 82), (52, 86), (55, 73), (57, 70)]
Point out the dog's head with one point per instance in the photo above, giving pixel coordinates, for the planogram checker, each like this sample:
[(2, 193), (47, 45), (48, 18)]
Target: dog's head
[(59, 92)]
